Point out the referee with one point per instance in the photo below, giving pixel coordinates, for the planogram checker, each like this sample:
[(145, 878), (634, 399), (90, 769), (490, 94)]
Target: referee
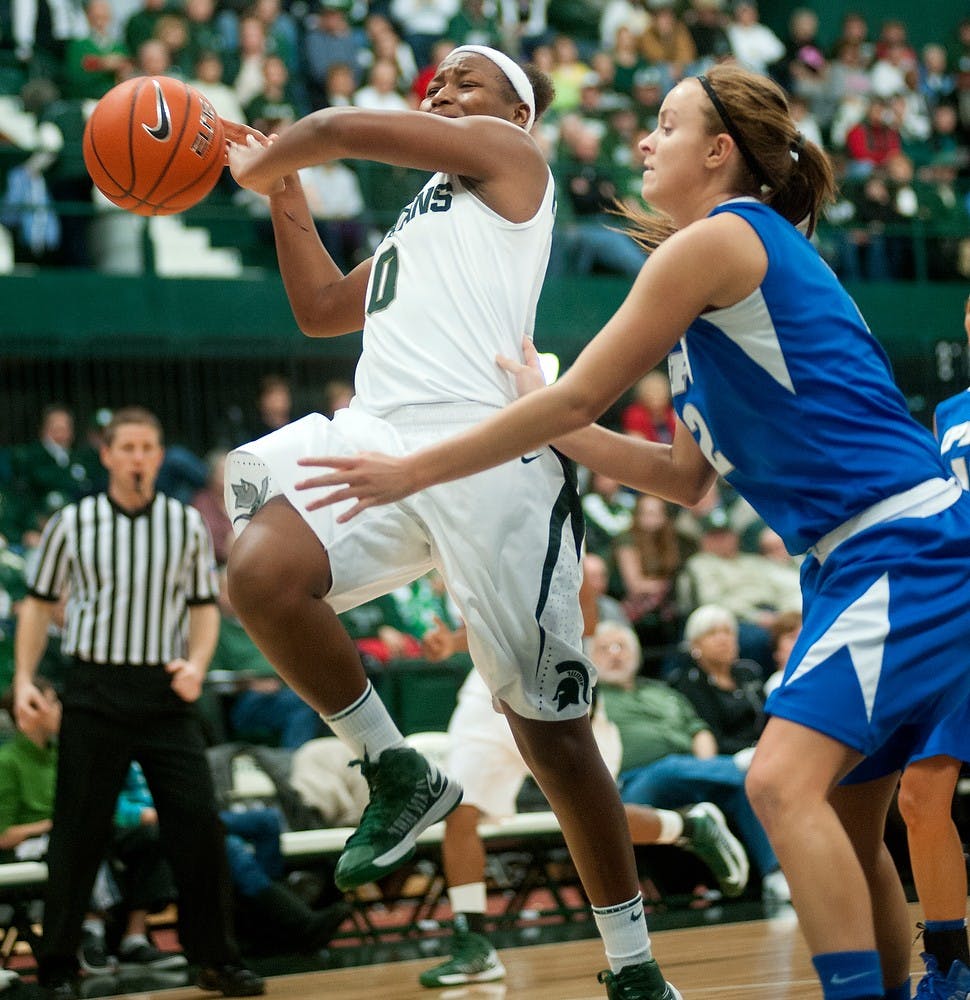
[(141, 623)]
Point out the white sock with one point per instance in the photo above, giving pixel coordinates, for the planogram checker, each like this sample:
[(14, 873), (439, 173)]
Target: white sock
[(623, 929), (365, 726), (468, 898), (94, 925), (132, 941), (671, 826)]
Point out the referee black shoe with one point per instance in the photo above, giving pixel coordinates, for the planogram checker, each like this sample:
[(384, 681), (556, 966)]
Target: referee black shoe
[(144, 955), (93, 955), (61, 988), (230, 981)]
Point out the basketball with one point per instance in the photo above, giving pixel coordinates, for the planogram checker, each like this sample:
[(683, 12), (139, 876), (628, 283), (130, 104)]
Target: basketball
[(154, 146)]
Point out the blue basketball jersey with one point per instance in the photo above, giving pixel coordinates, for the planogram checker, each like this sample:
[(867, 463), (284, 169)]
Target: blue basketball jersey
[(792, 399), (952, 419)]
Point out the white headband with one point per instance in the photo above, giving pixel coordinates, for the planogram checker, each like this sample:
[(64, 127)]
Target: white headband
[(513, 72)]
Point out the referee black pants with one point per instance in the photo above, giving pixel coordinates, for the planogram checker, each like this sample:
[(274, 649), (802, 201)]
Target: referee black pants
[(113, 715)]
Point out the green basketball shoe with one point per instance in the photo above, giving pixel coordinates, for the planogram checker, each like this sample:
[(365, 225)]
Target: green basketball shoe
[(712, 841), (407, 795), (473, 960), (638, 982)]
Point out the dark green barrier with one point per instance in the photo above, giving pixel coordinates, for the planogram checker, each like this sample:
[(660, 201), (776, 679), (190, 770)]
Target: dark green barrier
[(421, 696), (190, 348)]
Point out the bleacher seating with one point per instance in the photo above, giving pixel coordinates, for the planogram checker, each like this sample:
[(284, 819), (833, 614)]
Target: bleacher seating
[(534, 839)]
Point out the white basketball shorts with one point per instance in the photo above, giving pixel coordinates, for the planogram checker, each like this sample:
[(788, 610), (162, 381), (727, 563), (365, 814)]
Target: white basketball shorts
[(506, 541)]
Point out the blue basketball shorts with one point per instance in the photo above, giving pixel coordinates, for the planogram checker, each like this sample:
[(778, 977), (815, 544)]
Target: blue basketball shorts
[(881, 663)]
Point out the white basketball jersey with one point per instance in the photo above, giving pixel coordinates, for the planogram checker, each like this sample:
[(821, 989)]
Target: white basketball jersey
[(453, 284)]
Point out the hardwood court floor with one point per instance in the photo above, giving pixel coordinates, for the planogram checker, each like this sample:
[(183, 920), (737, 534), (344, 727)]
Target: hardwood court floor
[(754, 960)]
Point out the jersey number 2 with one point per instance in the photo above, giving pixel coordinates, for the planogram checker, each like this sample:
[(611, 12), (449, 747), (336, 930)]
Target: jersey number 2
[(383, 286), (695, 422)]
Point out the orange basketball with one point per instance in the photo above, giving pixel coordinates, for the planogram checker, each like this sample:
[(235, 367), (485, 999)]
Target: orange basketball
[(154, 146)]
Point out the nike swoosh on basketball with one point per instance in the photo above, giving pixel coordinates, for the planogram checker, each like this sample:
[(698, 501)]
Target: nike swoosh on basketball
[(526, 459), (163, 129)]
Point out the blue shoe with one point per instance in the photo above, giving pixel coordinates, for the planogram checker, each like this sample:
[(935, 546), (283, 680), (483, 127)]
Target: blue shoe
[(934, 986), (407, 795)]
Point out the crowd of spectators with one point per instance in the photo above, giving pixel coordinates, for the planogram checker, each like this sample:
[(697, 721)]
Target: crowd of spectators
[(894, 119)]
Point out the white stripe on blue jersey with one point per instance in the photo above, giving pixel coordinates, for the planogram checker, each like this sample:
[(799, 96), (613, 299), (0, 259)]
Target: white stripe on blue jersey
[(129, 577), (952, 419), (792, 399)]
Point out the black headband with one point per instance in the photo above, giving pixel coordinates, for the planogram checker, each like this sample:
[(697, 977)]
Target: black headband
[(733, 132)]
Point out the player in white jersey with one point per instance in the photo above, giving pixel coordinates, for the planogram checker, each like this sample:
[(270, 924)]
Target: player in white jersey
[(929, 782), (781, 388), (454, 281)]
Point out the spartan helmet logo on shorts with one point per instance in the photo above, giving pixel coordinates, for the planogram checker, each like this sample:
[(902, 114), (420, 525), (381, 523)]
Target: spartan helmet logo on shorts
[(573, 687), (248, 498)]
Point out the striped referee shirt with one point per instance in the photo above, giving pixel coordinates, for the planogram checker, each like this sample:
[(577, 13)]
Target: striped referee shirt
[(131, 577)]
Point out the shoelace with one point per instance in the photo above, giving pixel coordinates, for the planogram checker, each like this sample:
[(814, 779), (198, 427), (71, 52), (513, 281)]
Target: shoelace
[(615, 988)]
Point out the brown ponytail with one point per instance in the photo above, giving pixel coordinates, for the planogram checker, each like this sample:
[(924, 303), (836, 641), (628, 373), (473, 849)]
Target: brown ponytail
[(778, 165)]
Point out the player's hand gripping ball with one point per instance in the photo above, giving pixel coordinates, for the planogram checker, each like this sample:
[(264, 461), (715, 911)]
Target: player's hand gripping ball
[(154, 146)]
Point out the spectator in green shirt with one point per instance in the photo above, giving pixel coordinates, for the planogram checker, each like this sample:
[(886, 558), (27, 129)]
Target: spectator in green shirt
[(670, 756), (28, 764), (94, 64), (28, 775)]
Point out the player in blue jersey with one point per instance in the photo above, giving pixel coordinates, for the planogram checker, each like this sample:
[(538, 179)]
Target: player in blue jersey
[(927, 786), (780, 388)]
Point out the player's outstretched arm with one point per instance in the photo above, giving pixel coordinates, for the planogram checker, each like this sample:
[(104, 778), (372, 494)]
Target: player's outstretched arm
[(478, 147)]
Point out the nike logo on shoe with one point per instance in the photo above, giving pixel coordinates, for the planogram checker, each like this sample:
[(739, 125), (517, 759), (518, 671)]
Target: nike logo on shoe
[(163, 129), (436, 782)]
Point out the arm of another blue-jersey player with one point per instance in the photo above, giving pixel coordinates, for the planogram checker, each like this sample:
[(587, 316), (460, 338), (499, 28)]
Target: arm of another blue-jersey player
[(678, 472)]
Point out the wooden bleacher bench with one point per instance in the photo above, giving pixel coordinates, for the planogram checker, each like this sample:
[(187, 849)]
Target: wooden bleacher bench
[(328, 843), (533, 840), (21, 877), (535, 837)]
